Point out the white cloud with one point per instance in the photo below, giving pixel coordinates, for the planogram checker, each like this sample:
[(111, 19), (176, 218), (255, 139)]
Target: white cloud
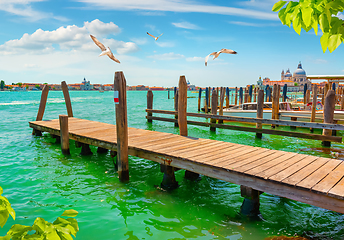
[(178, 6), (69, 38), (340, 15), (164, 44), (23, 8), (167, 56), (195, 59), (150, 26), (186, 25), (139, 41)]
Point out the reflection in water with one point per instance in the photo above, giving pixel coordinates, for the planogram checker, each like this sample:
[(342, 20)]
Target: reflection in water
[(337, 153)]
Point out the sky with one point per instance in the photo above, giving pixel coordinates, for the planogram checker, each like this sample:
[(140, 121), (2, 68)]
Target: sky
[(48, 41)]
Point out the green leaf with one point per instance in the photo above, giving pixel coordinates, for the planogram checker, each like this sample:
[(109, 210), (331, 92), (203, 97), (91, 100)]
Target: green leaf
[(1, 191), (70, 213), (315, 24), (74, 223), (3, 217), (277, 6), (324, 24), (324, 41), (7, 237), (297, 23), (307, 16), (282, 15), (39, 224), (334, 41)]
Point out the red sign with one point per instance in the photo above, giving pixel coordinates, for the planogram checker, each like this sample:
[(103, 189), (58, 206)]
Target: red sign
[(116, 99)]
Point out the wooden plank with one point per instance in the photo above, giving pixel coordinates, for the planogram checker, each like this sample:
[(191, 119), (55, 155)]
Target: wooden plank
[(293, 168), (330, 180), (205, 149), (280, 167), (161, 145), (319, 174), (230, 148), (305, 172), (268, 163), (338, 189)]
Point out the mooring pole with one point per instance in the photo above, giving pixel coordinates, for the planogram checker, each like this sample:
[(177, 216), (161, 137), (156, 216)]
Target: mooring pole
[(222, 98), (149, 105), (199, 98), (260, 103), (168, 93), (330, 101), (236, 96), (214, 105), (41, 108), (314, 104), (176, 99), (120, 85), (206, 100), (227, 97), (240, 96), (250, 205), (64, 134), (67, 98), (255, 94)]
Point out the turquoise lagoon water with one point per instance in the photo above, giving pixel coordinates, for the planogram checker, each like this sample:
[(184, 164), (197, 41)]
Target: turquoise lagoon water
[(41, 182)]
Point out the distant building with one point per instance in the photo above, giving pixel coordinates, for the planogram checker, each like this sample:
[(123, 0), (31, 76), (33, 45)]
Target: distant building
[(86, 85)]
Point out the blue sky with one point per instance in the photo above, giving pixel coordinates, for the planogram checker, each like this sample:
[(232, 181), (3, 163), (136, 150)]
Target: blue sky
[(48, 41)]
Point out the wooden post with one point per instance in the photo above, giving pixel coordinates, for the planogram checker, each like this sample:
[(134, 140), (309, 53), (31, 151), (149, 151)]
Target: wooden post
[(149, 104), (275, 103), (227, 97), (250, 205), (222, 97), (250, 93), (260, 103), (236, 96), (182, 106), (199, 99), (255, 94), (122, 127), (67, 98), (176, 99), (64, 134), (285, 88), (328, 114), (209, 97), (85, 148), (342, 103), (206, 100), (245, 95), (41, 108), (240, 96), (168, 94), (214, 103), (314, 104)]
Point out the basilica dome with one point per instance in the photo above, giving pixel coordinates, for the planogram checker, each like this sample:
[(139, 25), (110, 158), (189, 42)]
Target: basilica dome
[(299, 72)]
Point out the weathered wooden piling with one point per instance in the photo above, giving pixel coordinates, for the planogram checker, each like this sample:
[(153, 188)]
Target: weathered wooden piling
[(314, 104), (182, 106), (227, 97), (222, 97), (209, 97), (250, 89), (236, 96), (176, 99), (240, 96), (85, 148), (260, 103), (328, 114), (304, 96), (122, 127), (255, 94), (67, 98), (245, 90), (41, 108), (275, 104), (206, 100), (214, 103), (149, 104), (250, 205), (285, 88), (199, 99), (64, 134), (342, 102), (168, 94)]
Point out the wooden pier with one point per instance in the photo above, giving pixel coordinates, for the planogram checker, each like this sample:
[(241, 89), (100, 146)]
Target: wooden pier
[(314, 180), (309, 179)]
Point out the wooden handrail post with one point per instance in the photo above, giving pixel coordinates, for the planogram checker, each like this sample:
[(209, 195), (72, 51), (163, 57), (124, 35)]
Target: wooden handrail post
[(122, 127), (41, 108), (199, 99), (314, 104), (149, 105), (67, 98), (64, 134), (260, 103), (329, 106), (214, 105), (182, 106), (222, 98)]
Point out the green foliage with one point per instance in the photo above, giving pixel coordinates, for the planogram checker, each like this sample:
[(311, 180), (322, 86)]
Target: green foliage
[(308, 14), (60, 229), (20, 84), (296, 84), (2, 84), (5, 210), (37, 86)]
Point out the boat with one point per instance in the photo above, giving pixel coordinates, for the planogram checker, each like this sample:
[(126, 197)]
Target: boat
[(101, 89)]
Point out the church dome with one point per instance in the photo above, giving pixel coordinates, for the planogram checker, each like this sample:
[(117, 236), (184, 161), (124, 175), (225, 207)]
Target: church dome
[(287, 73), (299, 72)]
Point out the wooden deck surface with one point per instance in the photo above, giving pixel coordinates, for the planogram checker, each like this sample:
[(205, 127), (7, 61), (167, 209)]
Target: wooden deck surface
[(314, 180)]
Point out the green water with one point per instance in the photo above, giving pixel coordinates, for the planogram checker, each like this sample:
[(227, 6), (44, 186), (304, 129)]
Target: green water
[(41, 182)]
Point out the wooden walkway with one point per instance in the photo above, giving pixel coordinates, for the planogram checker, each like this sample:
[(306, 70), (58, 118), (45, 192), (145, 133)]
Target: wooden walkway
[(314, 180)]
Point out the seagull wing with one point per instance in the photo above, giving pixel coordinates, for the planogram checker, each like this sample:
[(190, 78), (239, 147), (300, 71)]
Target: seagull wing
[(111, 56), (158, 37), (150, 35), (207, 57), (99, 44), (224, 50)]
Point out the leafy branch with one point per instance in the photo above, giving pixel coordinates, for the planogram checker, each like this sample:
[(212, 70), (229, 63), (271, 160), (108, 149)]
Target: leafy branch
[(310, 14)]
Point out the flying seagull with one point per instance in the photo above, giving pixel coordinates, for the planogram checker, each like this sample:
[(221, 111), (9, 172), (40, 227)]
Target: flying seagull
[(216, 54), (105, 51), (156, 38)]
